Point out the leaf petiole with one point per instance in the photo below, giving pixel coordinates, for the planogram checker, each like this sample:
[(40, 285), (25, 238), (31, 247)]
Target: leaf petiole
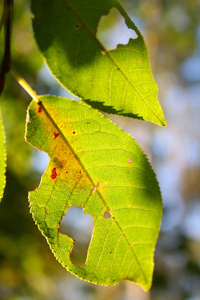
[(24, 84)]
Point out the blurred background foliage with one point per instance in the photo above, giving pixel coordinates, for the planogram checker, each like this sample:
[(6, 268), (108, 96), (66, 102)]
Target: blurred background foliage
[(28, 269)]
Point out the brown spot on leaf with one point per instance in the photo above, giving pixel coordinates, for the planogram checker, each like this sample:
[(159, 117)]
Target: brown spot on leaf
[(56, 134), (129, 160), (53, 173), (74, 132), (107, 215), (77, 26), (57, 162)]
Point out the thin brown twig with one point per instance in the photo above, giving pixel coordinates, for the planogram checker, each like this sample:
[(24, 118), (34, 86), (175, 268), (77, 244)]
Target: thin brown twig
[(6, 23)]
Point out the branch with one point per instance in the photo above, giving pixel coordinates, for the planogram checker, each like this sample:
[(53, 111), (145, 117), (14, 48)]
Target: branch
[(6, 22)]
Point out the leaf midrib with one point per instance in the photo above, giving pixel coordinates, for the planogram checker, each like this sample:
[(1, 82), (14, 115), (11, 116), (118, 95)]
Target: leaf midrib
[(112, 59), (91, 180)]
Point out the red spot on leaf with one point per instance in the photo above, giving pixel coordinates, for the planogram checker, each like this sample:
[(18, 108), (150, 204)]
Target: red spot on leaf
[(129, 161), (56, 134), (39, 109), (53, 173)]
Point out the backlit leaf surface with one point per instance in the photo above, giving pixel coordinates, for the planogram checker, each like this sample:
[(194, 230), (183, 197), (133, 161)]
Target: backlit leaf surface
[(94, 164), (2, 158), (115, 81)]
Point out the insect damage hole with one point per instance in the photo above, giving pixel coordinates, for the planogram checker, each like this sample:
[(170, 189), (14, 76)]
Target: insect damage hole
[(118, 32), (92, 190), (129, 160), (79, 226)]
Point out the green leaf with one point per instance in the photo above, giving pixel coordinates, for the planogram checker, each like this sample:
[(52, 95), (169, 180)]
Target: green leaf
[(94, 164), (115, 81), (2, 158)]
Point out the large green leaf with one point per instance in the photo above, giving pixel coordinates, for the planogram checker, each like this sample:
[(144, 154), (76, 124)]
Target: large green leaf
[(117, 81), (2, 158), (94, 164)]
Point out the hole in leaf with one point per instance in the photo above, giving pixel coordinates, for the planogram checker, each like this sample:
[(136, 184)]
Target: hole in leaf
[(129, 160), (107, 215), (79, 226), (118, 32), (39, 160), (103, 52), (98, 184), (92, 190)]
